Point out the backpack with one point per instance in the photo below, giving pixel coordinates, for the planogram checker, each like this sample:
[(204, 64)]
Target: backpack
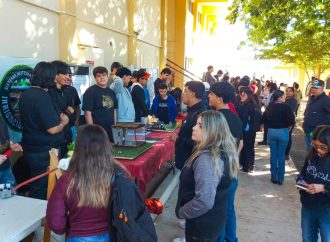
[(256, 120), (129, 220)]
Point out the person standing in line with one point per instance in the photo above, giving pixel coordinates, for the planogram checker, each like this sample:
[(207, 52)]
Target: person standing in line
[(113, 70), (218, 75), (165, 75), (138, 95), (192, 96), (221, 94), (126, 112), (297, 96), (208, 76), (279, 117), (100, 103), (43, 125), (205, 178), (317, 111), (292, 103), (315, 197)]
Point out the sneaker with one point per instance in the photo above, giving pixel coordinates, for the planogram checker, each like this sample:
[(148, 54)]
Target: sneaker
[(180, 239), (182, 224)]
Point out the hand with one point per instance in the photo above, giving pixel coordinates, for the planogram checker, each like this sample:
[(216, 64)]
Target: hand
[(173, 137), (2, 158), (64, 119), (70, 109), (315, 188), (15, 147)]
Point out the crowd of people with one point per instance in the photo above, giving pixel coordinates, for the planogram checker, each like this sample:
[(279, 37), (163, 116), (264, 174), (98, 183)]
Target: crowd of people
[(215, 141)]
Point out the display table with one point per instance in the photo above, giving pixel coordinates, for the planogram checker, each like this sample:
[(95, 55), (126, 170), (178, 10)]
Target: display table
[(144, 167), (20, 216)]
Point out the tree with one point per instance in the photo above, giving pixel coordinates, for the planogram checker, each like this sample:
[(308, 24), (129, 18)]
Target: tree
[(293, 31)]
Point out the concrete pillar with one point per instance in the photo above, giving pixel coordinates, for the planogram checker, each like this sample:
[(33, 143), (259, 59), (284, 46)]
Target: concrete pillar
[(163, 31), (132, 38)]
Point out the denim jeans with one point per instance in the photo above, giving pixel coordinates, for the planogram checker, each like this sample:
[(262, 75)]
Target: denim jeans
[(228, 233), (7, 176), (308, 142), (313, 222), (278, 140), (95, 238)]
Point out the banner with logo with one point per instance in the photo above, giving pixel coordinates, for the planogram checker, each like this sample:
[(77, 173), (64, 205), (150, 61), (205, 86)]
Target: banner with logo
[(15, 74)]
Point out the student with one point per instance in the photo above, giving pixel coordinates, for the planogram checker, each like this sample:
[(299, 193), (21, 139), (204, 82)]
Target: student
[(165, 75), (164, 106), (78, 206), (138, 94), (315, 211), (126, 112), (43, 125), (206, 177), (100, 103), (6, 173)]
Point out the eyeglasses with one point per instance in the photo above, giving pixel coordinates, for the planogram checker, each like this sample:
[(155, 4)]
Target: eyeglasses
[(320, 147)]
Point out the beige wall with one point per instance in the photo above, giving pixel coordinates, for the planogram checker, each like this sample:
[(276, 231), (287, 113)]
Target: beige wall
[(28, 31), (37, 29)]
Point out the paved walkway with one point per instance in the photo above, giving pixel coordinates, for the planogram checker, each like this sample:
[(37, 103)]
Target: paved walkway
[(265, 212)]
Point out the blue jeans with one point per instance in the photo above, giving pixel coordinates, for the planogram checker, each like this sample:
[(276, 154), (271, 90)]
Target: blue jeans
[(95, 238), (7, 176), (278, 140), (228, 233), (314, 221), (308, 142)]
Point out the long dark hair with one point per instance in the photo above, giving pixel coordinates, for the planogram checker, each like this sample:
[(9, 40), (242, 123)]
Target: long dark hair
[(322, 134), (269, 110), (91, 167), (43, 75), (250, 96)]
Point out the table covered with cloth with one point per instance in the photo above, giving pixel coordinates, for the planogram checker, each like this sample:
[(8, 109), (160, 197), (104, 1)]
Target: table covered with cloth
[(144, 167)]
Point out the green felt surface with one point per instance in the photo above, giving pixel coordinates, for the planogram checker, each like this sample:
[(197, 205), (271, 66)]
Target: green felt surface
[(168, 128), (129, 152)]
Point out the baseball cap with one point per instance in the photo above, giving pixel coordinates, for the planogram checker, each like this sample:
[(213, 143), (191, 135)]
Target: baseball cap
[(141, 73), (316, 83)]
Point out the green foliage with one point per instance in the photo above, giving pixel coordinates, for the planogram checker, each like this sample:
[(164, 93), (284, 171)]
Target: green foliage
[(293, 31)]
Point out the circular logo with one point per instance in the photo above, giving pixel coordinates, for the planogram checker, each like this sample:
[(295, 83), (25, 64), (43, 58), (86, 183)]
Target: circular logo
[(13, 84)]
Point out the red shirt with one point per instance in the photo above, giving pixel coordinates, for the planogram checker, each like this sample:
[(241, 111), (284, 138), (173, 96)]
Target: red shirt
[(63, 215)]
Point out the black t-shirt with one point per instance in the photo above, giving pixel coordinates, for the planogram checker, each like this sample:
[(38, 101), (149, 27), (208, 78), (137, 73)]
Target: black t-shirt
[(101, 102), (163, 111), (234, 123), (38, 113), (62, 104), (72, 100), (4, 143), (157, 82)]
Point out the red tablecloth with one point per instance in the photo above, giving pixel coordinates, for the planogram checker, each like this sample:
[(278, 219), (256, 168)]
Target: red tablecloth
[(144, 167)]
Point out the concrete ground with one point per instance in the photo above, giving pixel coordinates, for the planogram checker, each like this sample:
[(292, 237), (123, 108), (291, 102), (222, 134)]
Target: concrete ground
[(265, 212)]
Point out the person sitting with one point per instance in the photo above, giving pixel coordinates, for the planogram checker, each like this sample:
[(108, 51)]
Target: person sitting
[(78, 205), (164, 106)]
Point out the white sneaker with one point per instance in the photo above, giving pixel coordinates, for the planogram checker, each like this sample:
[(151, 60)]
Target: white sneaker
[(179, 239), (182, 224)]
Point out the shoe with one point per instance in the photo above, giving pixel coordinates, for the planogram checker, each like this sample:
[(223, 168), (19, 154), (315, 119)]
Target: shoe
[(245, 170), (280, 183), (182, 224), (287, 157), (274, 182), (180, 239), (262, 143)]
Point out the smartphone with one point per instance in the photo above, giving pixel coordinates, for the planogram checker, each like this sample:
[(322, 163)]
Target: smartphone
[(301, 187)]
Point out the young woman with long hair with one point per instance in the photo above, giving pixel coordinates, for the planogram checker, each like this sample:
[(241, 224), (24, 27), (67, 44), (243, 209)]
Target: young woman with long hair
[(291, 101), (78, 205), (206, 177), (246, 111), (315, 198), (278, 117)]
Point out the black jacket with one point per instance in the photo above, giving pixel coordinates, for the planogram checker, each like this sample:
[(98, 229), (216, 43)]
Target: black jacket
[(317, 112), (184, 144), (139, 101)]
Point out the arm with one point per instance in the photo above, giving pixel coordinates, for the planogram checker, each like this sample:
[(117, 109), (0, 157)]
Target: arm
[(206, 182), (56, 214), (115, 115), (240, 146), (64, 120), (77, 113), (88, 117)]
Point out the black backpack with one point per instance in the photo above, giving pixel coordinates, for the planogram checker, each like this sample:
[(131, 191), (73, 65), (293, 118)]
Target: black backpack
[(256, 119), (129, 218)]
